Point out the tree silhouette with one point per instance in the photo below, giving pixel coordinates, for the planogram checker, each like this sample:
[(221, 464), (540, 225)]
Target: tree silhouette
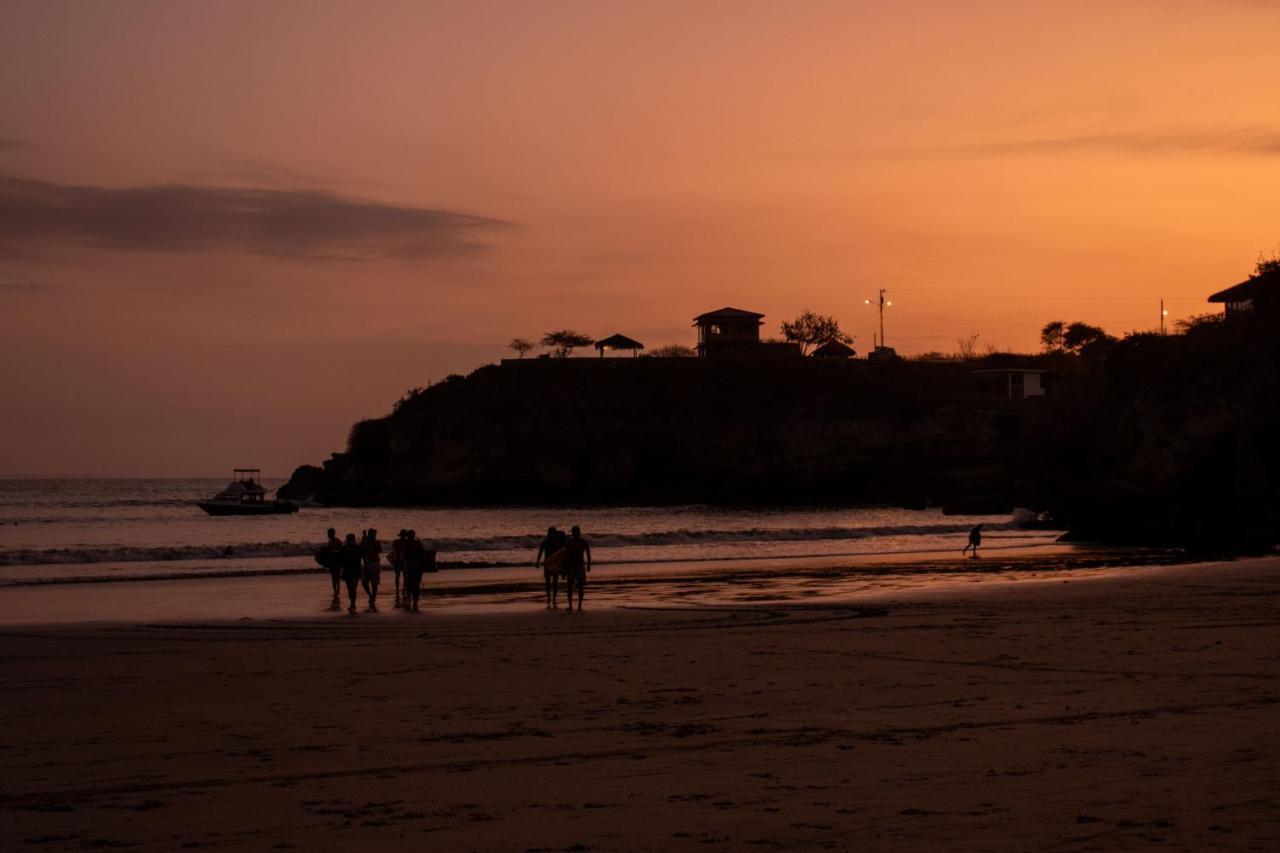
[(1080, 335), (810, 329), (1071, 337), (565, 341), (521, 346), (1266, 265), (1051, 336)]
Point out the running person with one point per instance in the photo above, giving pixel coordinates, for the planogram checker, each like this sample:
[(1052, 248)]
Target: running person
[(577, 559), (975, 539)]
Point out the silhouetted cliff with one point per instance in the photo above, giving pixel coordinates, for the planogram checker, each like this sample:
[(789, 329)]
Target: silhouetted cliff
[(1169, 440), (680, 430), (1154, 440)]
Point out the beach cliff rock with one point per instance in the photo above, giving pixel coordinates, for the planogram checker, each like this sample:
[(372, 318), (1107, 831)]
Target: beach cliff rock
[(683, 430), (1153, 440), (1169, 440)]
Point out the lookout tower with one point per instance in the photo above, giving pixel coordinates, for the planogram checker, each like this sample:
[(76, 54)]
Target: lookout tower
[(727, 329)]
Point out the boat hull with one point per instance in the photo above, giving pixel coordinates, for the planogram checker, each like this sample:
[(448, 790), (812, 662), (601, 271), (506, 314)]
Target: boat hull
[(264, 508)]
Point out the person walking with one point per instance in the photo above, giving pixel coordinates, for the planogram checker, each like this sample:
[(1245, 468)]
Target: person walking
[(577, 559), (975, 539), (330, 556), (372, 567), (352, 568), (417, 559), (551, 560), (396, 559)]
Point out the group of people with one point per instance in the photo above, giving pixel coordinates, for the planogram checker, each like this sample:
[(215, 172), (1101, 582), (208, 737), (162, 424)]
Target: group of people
[(359, 564), (564, 556)]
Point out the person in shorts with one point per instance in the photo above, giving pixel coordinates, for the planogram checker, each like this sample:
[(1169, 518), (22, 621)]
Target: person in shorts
[(551, 569), (577, 562)]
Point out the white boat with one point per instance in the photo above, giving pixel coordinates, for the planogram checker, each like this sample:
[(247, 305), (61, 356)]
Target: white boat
[(244, 495)]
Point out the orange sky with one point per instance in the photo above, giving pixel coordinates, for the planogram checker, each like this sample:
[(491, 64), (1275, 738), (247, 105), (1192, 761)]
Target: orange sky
[(227, 230)]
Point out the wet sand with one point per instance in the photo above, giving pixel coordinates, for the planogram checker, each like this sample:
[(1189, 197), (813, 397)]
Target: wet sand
[(1072, 709)]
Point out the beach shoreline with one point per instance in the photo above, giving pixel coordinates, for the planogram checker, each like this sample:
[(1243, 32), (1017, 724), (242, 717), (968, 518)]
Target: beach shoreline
[(300, 593), (1115, 711)]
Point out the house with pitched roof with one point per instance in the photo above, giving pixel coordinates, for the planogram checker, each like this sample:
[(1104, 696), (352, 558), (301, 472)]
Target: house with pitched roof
[(1260, 294)]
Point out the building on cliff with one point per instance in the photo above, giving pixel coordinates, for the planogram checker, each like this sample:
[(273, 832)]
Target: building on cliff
[(618, 342), (1259, 295), (834, 349), (735, 332)]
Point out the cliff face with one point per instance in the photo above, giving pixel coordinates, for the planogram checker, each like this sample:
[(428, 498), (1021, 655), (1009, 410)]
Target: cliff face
[(1150, 440), (681, 430), (1170, 440)]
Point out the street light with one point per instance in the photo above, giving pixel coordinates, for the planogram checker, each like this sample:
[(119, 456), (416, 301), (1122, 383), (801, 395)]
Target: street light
[(880, 304), (1163, 314)]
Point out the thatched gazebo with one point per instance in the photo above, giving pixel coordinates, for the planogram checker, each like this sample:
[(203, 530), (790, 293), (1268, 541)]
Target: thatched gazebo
[(834, 349), (617, 342)]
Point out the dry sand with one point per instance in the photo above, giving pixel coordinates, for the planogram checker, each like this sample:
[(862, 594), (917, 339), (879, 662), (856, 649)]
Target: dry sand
[(1126, 709)]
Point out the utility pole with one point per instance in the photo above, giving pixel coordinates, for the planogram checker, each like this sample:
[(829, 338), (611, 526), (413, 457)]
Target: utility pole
[(1163, 314), (880, 306)]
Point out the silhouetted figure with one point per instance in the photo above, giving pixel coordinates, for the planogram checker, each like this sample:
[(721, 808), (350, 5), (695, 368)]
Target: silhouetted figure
[(550, 547), (352, 568), (418, 558), (372, 566), (975, 539), (330, 556), (396, 559), (577, 562)]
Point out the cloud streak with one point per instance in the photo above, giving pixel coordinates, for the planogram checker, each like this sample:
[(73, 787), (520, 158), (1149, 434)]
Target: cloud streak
[(185, 218), (1255, 142)]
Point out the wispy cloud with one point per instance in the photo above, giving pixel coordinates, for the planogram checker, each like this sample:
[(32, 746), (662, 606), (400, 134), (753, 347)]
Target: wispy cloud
[(1255, 142), (183, 218), (258, 173)]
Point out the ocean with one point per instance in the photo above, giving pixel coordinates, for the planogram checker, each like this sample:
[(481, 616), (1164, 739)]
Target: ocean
[(60, 531)]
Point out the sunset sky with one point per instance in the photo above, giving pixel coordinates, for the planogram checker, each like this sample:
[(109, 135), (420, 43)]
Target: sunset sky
[(229, 230)]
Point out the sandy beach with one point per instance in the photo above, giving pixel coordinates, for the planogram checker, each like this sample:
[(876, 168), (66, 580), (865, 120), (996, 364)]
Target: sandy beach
[(1087, 710)]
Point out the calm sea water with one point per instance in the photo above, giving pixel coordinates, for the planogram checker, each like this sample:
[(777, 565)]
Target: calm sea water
[(59, 530)]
